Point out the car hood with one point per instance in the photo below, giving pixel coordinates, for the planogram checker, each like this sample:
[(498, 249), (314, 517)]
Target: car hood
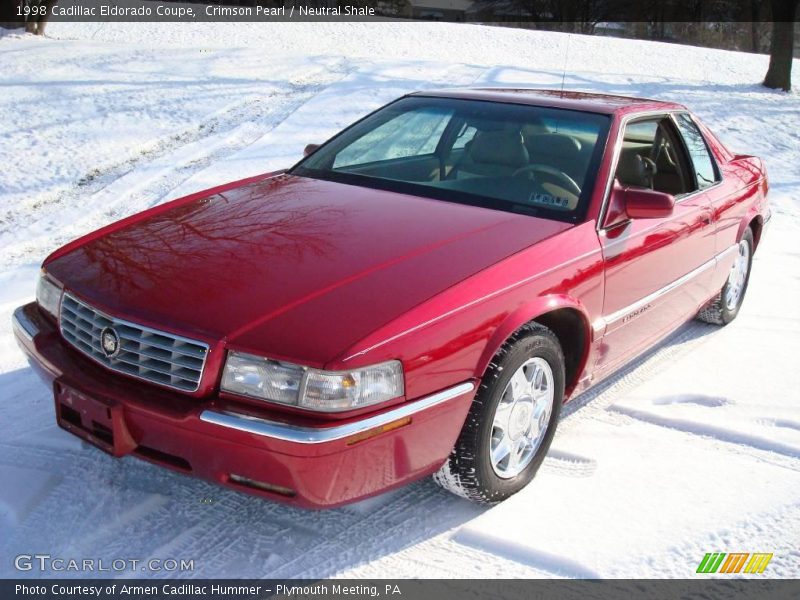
[(293, 267)]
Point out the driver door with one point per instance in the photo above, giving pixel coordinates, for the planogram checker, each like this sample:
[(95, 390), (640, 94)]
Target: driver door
[(657, 270)]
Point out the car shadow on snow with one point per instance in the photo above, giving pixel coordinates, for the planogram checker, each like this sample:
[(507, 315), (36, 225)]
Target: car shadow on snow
[(88, 504)]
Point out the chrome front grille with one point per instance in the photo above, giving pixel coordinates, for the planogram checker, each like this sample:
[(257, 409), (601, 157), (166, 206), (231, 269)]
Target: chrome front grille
[(148, 354)]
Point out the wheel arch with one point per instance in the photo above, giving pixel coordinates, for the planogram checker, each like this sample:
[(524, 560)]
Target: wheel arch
[(565, 317), (756, 225)]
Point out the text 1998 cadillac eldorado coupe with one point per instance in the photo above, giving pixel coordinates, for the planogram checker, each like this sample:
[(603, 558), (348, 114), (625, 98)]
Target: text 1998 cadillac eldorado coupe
[(417, 296)]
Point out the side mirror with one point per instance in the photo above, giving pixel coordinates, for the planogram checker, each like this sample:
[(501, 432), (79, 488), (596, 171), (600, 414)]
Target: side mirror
[(641, 203), (310, 149)]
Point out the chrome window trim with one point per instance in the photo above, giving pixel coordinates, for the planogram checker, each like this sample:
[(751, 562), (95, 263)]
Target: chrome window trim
[(670, 114), (143, 328), (320, 435)]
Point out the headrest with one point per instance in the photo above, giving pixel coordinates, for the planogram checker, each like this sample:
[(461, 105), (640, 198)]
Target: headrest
[(499, 148), (635, 170), (554, 144)]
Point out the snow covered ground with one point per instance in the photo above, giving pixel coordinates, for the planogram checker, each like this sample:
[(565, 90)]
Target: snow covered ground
[(694, 448)]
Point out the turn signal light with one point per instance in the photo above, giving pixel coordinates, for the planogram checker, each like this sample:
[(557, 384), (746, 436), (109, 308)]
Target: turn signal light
[(371, 433)]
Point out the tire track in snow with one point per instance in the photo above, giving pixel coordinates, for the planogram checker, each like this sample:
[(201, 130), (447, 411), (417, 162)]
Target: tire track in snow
[(236, 534), (601, 397), (145, 180), (597, 402), (720, 433), (416, 513), (569, 464)]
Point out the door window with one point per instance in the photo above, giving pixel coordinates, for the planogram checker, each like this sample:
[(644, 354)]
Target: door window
[(649, 158)]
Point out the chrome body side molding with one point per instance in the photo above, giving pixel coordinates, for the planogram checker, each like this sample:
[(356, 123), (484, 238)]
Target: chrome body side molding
[(640, 304)]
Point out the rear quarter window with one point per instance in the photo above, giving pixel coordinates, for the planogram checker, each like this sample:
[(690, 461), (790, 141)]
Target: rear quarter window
[(704, 166)]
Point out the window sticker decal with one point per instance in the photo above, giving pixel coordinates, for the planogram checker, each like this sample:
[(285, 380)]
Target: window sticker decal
[(549, 200)]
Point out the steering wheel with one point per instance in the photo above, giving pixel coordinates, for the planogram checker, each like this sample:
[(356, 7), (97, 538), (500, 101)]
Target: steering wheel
[(564, 180)]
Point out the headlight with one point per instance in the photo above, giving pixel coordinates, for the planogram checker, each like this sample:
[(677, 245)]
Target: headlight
[(48, 294), (328, 391), (261, 378)]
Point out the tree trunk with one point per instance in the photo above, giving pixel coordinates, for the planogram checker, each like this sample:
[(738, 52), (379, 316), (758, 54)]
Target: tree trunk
[(43, 20), (755, 23), (755, 40), (779, 74)]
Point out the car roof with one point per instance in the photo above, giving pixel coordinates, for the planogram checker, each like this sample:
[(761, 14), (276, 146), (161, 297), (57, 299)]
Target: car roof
[(583, 101)]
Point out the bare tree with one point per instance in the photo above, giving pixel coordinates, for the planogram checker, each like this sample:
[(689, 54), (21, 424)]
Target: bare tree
[(779, 74)]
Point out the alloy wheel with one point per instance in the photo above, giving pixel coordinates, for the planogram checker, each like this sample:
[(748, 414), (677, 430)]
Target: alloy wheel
[(738, 276), (522, 417)]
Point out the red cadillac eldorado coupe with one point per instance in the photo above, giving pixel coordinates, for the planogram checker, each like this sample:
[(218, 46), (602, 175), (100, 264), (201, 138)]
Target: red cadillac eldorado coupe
[(417, 296)]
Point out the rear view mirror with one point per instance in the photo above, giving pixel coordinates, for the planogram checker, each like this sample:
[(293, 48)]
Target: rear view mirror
[(641, 203), (310, 149)]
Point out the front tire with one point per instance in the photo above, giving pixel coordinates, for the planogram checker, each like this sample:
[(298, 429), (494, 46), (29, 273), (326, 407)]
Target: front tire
[(724, 307), (512, 420)]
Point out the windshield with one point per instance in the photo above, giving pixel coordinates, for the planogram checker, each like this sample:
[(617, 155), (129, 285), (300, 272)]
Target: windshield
[(517, 158)]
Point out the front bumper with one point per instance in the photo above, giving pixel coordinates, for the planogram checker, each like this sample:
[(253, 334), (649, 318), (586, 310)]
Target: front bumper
[(314, 464)]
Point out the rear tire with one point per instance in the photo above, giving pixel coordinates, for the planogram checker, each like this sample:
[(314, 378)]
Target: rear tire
[(724, 307), (512, 421)]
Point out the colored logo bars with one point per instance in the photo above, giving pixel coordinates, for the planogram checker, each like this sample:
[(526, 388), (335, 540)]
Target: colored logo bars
[(719, 562)]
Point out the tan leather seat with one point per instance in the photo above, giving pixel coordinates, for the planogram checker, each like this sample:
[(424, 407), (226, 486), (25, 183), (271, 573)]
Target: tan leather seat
[(635, 170), (492, 154)]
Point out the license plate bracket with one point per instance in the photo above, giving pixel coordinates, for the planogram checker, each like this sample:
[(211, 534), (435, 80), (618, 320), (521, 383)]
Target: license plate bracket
[(97, 420)]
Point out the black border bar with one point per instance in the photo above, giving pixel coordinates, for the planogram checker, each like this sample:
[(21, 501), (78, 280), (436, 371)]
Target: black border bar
[(388, 589), (553, 14)]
